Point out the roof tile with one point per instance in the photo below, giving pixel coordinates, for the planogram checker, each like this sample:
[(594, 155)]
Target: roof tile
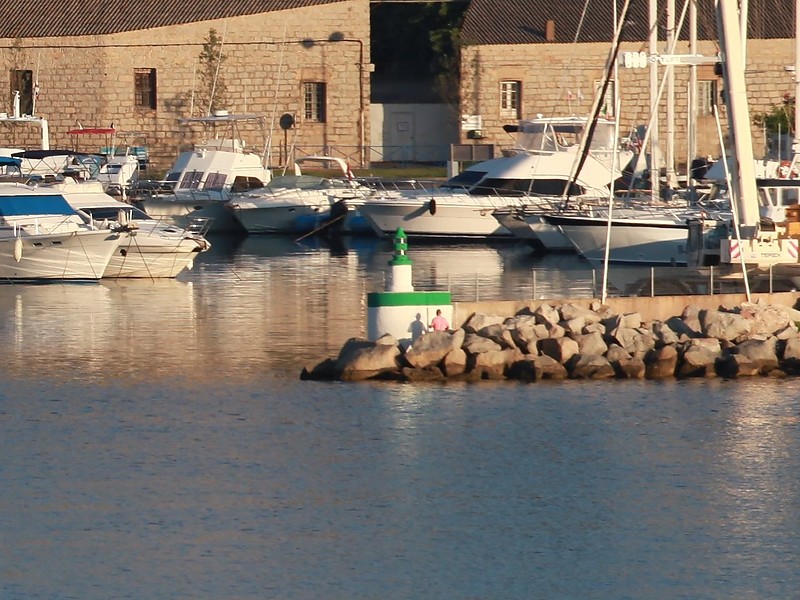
[(66, 18)]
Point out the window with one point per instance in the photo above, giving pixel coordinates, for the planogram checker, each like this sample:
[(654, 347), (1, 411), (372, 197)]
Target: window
[(314, 101), (22, 82), (191, 180), (145, 88), (215, 181), (510, 96), (706, 97)]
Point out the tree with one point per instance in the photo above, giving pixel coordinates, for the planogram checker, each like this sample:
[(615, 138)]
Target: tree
[(779, 119), (211, 90)]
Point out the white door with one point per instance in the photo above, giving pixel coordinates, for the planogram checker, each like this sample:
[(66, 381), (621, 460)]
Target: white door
[(400, 141)]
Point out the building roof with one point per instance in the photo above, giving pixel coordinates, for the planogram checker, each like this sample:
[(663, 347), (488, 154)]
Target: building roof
[(491, 22), (64, 18)]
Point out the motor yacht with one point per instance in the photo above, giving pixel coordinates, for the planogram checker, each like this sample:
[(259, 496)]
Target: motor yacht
[(42, 237), (202, 180), (541, 165)]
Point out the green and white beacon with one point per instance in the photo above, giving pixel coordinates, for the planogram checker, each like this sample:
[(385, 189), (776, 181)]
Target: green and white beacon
[(400, 310)]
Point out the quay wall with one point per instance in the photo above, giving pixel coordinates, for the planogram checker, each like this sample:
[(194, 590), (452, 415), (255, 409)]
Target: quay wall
[(656, 307)]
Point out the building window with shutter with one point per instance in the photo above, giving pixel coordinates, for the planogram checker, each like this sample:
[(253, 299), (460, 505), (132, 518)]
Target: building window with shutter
[(510, 99), (314, 101), (145, 89), (22, 82)]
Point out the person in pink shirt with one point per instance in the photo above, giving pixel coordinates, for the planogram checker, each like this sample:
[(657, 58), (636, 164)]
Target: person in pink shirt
[(439, 323)]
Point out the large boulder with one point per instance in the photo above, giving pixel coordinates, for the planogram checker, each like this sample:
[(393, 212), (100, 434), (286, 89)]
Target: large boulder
[(570, 311), (591, 343), (477, 344), (560, 348), (358, 360), (698, 360), (661, 363), (499, 334), (768, 319), (549, 368), (762, 352), (455, 363), (479, 320), (547, 315), (412, 374), (587, 366), (432, 347), (724, 325), (731, 366), (494, 364)]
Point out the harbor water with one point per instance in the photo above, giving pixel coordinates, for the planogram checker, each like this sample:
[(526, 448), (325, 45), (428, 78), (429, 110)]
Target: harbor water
[(158, 443)]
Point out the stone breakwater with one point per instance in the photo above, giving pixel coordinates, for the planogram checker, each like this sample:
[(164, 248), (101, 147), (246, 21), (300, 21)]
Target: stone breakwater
[(568, 340)]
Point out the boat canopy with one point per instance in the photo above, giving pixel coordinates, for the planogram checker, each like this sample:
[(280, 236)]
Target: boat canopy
[(34, 204)]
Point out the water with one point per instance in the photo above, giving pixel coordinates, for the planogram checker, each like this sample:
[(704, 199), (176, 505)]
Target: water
[(157, 443)]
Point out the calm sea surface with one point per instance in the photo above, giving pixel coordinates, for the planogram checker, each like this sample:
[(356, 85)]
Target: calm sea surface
[(157, 443)]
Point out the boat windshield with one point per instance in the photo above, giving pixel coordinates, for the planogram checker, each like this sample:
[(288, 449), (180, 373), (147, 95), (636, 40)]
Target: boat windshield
[(111, 213), (524, 187), (554, 136), (464, 180)]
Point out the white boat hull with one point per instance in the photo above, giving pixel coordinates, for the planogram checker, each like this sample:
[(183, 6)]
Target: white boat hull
[(181, 212), (532, 228), (274, 219), (637, 241), (79, 255), (141, 256), (456, 219)]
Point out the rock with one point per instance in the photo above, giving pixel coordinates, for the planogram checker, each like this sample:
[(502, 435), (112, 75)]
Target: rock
[(523, 370), (573, 326), (560, 349), (591, 343), (455, 363), (555, 331), (368, 362), (422, 374), (635, 341), (661, 363), (682, 329), (724, 325), (547, 315), (525, 331), (387, 339), (322, 370), (594, 328), (665, 335), (498, 334), (432, 347), (766, 319), (570, 312), (476, 344), (549, 368), (586, 366), (760, 352), (698, 361), (629, 368), (731, 366), (479, 320), (493, 365)]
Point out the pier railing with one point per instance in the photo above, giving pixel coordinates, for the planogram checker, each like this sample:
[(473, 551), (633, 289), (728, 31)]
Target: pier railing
[(628, 281)]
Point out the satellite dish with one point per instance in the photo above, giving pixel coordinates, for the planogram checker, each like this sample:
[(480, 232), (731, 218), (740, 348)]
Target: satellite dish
[(286, 121)]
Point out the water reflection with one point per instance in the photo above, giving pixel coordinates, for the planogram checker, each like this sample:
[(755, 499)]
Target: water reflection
[(256, 305)]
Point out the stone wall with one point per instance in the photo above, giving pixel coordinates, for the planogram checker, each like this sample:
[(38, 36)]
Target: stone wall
[(90, 80), (560, 80)]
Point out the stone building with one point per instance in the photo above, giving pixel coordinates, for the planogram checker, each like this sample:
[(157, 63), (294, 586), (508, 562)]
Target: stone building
[(521, 58), (145, 65)]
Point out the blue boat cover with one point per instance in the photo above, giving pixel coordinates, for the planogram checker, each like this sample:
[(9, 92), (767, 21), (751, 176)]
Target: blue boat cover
[(34, 204), (7, 161)]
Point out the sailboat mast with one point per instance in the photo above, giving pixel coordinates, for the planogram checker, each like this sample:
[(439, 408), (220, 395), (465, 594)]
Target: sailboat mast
[(742, 168)]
